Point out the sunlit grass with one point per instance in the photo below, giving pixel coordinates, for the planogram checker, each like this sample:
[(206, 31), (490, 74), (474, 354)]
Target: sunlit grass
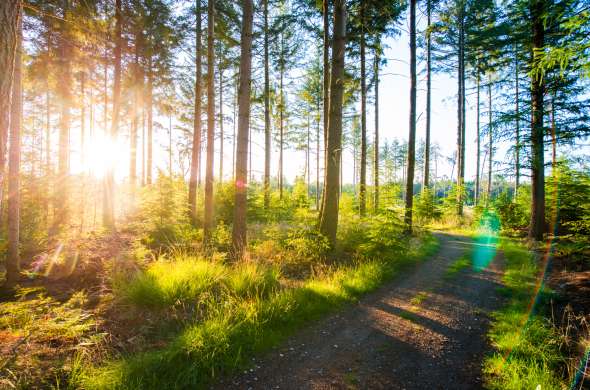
[(528, 346), (246, 324)]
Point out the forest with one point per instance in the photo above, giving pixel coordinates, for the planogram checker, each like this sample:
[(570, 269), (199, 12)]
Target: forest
[(294, 194)]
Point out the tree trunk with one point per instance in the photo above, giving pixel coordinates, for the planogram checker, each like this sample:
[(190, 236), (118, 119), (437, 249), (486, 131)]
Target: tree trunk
[(412, 132), (239, 238), (171, 171), (196, 146), (267, 131), (9, 22), (108, 217), (13, 198), (363, 162), (135, 117), (281, 119), (517, 113), (478, 136), (82, 147), (65, 98), (329, 214), (150, 122), (325, 84), (317, 160), (460, 117), (553, 137), (376, 146), (426, 178), (221, 135), (490, 144), (208, 222)]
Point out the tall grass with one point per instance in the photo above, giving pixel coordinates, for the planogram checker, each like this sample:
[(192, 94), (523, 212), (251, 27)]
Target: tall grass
[(255, 316), (528, 347)]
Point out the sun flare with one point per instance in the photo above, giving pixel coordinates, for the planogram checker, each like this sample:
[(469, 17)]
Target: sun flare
[(101, 153)]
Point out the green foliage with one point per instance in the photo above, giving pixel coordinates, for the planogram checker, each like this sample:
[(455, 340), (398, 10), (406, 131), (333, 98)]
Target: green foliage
[(514, 213), (383, 236), (168, 283), (230, 333), (426, 208), (528, 345), (163, 215)]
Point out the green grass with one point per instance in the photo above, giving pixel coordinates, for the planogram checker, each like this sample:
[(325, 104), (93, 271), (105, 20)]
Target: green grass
[(527, 345), (244, 324), (419, 298), (458, 266)]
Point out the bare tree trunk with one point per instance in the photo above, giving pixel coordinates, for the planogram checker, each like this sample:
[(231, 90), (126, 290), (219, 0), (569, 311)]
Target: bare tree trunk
[(426, 178), (478, 136), (108, 216), (376, 146), (363, 162), (150, 121), (239, 238), (13, 198), (412, 132), (196, 146), (9, 22), (281, 124), (208, 221), (553, 138), (329, 215), (170, 143), (517, 113), (135, 117), (65, 97), (490, 144), (307, 154), (267, 130), (82, 147), (221, 135), (325, 84), (461, 116), (317, 160)]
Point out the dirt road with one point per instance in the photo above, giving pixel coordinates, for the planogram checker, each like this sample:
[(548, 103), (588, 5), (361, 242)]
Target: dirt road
[(425, 330)]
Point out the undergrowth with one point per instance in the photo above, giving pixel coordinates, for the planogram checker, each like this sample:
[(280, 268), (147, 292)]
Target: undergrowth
[(528, 346), (251, 314)]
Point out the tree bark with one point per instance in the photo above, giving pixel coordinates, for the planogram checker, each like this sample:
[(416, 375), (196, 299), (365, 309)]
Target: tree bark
[(196, 145), (325, 84), (267, 130), (426, 178), (412, 124), (363, 162), (537, 225), (517, 117), (478, 136), (13, 198), (239, 237), (281, 124), (461, 114), (376, 146), (108, 217), (329, 215), (9, 22), (221, 135), (135, 116), (150, 122), (65, 98), (490, 144), (208, 221)]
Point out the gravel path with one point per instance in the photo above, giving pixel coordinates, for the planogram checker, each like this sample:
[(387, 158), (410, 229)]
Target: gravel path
[(421, 331)]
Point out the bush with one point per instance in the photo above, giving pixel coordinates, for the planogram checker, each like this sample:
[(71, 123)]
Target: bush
[(426, 208), (514, 213)]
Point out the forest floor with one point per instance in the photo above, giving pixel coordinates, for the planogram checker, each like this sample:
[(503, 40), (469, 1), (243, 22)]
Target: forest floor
[(426, 330)]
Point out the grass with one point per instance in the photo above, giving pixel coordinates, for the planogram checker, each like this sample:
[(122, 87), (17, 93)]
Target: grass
[(253, 317), (528, 347), (458, 266), (419, 298)]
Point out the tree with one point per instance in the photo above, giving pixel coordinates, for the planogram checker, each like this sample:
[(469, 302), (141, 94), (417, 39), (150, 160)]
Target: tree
[(109, 185), (196, 142), (267, 129), (239, 237), (12, 18), (208, 222), (329, 215), (426, 175), (537, 225), (412, 131)]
